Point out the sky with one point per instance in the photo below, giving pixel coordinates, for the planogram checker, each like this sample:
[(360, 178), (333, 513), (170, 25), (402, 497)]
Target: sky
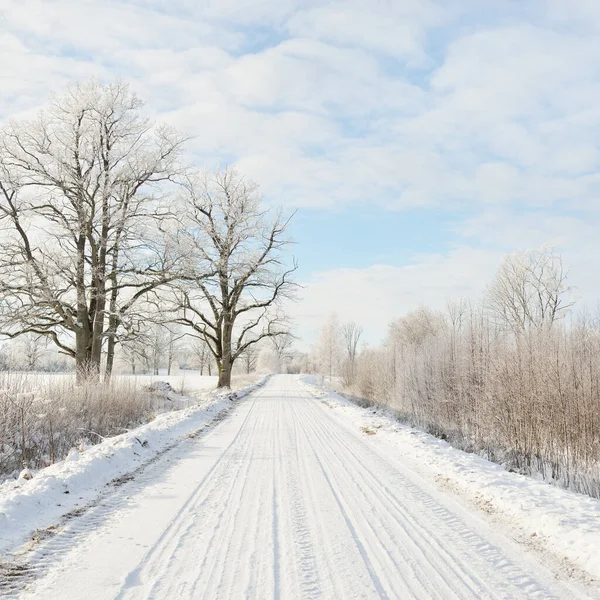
[(419, 141)]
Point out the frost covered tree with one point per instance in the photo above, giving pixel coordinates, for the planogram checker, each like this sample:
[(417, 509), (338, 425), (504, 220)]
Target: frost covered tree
[(418, 325), (282, 347), (202, 355), (236, 299), (351, 334), (507, 376), (78, 216), (329, 347), (32, 349), (249, 358), (529, 290)]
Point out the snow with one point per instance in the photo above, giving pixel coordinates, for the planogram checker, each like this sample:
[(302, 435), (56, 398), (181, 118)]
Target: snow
[(299, 494), (565, 523), (34, 502), (185, 381)]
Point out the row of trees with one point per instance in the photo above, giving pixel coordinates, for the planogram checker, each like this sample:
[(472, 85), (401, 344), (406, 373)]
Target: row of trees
[(336, 350), (154, 348), (509, 377), (167, 346), (104, 227)]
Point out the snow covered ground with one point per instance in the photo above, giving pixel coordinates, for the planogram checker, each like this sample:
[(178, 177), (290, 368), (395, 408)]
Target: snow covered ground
[(300, 494), (70, 485), (551, 519), (184, 381)]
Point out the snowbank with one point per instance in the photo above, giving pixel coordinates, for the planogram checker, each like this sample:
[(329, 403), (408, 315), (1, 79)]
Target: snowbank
[(34, 503), (564, 523)]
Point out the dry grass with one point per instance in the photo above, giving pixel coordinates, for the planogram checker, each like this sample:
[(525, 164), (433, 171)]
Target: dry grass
[(529, 401), (43, 416), (41, 419)]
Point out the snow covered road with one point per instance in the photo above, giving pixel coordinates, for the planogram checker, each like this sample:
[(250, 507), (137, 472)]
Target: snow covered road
[(287, 499)]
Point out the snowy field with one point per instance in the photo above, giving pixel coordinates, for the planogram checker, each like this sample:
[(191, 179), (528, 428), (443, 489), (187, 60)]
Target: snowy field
[(297, 493), (184, 382)]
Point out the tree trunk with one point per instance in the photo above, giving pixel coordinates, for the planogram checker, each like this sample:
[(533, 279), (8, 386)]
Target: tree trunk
[(114, 319), (84, 368), (98, 332), (110, 358), (82, 353), (225, 373), (171, 355), (84, 359), (226, 360), (111, 343)]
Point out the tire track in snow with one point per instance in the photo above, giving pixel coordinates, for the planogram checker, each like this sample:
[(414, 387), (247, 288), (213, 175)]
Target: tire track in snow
[(183, 522), (304, 541), (409, 545), (448, 526), (312, 437), (366, 482), (339, 561), (291, 502), (209, 516), (56, 542)]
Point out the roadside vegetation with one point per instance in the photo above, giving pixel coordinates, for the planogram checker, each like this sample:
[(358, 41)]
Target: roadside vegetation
[(514, 377)]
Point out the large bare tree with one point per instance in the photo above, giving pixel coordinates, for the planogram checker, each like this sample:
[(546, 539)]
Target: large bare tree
[(78, 210), (351, 332), (236, 300)]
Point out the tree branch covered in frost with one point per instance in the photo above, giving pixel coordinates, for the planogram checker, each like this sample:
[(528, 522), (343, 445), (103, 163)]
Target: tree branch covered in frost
[(79, 213), (105, 229), (236, 298)]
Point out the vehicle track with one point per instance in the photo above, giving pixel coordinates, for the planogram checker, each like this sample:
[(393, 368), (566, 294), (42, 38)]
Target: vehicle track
[(285, 499)]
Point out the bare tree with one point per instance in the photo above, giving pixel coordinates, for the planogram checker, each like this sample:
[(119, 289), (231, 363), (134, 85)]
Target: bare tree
[(174, 346), (239, 245), (282, 346), (203, 354), (328, 349), (417, 326), (133, 350), (525, 393), (76, 205), (249, 358), (33, 348), (159, 343), (351, 332), (530, 290)]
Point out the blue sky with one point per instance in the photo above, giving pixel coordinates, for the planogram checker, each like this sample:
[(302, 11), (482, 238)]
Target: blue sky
[(362, 237), (420, 140)]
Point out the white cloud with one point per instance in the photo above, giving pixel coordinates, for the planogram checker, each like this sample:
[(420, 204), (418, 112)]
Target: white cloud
[(373, 295), (396, 104), (396, 28), (318, 116)]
